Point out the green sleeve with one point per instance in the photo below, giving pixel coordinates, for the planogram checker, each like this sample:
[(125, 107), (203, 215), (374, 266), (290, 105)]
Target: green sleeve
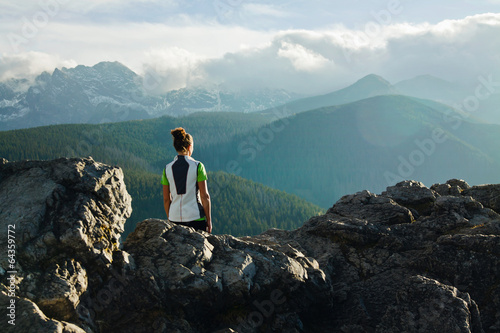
[(202, 173), (164, 179)]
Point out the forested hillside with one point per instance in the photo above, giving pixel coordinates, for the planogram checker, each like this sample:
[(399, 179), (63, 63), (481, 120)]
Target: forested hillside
[(323, 154), (142, 148), (139, 144), (239, 206), (318, 155)]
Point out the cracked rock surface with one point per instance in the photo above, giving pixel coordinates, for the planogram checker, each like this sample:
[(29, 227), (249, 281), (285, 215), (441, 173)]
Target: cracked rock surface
[(411, 259)]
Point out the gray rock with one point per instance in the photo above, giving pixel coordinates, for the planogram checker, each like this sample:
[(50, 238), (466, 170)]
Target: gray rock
[(412, 194), (236, 281), (412, 259), (426, 305), (367, 206), (29, 318), (66, 216), (488, 195), (451, 187)]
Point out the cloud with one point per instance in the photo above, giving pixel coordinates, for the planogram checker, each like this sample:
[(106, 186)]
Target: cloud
[(458, 50), (172, 68), (302, 58), (30, 64), (319, 61), (254, 9), (131, 43), (30, 7)]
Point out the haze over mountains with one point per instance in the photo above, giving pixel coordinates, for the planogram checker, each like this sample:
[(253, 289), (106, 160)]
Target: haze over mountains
[(110, 92), (370, 144)]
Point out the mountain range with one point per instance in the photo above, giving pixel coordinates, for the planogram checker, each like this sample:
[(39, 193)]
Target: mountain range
[(111, 92), (435, 91)]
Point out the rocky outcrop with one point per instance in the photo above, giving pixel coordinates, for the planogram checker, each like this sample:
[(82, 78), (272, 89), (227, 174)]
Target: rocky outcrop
[(62, 221), (412, 259)]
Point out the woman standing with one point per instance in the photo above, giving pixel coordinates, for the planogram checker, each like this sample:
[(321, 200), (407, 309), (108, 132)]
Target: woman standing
[(185, 192)]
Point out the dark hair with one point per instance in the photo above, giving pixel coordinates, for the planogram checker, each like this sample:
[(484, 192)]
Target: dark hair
[(182, 140)]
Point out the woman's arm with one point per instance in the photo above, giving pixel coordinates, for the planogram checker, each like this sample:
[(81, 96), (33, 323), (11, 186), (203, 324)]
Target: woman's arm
[(205, 201), (167, 198)]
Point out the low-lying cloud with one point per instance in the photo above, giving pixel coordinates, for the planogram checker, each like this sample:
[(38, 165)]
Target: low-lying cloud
[(30, 64)]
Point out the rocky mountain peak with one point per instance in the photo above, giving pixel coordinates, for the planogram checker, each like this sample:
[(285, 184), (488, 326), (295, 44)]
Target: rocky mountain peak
[(411, 259), (111, 92)]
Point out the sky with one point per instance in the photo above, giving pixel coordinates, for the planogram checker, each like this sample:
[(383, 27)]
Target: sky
[(309, 47)]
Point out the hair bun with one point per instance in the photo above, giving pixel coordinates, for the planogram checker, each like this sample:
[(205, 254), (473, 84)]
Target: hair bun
[(182, 140), (178, 133)]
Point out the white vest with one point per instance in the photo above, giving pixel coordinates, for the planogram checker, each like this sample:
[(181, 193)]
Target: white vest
[(182, 175)]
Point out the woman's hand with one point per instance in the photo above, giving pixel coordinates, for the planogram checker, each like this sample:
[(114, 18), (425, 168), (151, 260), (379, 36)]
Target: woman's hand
[(206, 203), (209, 226)]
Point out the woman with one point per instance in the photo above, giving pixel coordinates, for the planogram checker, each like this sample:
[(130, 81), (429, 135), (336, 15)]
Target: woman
[(184, 180)]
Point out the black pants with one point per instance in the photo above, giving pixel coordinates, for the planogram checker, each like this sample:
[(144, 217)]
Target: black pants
[(198, 225)]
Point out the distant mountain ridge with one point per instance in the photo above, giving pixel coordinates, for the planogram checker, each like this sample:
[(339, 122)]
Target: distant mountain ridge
[(481, 102), (431, 87), (324, 153), (368, 86), (426, 87), (111, 92)]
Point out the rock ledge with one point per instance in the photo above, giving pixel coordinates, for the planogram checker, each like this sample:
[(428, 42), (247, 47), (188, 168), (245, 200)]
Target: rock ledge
[(412, 259)]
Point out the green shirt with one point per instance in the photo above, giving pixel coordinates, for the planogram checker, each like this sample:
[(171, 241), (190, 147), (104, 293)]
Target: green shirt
[(202, 175)]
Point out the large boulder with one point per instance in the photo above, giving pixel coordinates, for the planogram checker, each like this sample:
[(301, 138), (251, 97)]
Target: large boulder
[(64, 220), (199, 282), (426, 305)]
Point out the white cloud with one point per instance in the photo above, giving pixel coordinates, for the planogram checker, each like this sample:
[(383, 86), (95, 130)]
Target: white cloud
[(172, 68), (255, 9), (302, 58), (129, 43), (28, 65), (456, 50), (310, 61)]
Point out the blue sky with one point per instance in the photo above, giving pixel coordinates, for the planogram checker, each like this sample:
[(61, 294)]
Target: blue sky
[(308, 46)]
